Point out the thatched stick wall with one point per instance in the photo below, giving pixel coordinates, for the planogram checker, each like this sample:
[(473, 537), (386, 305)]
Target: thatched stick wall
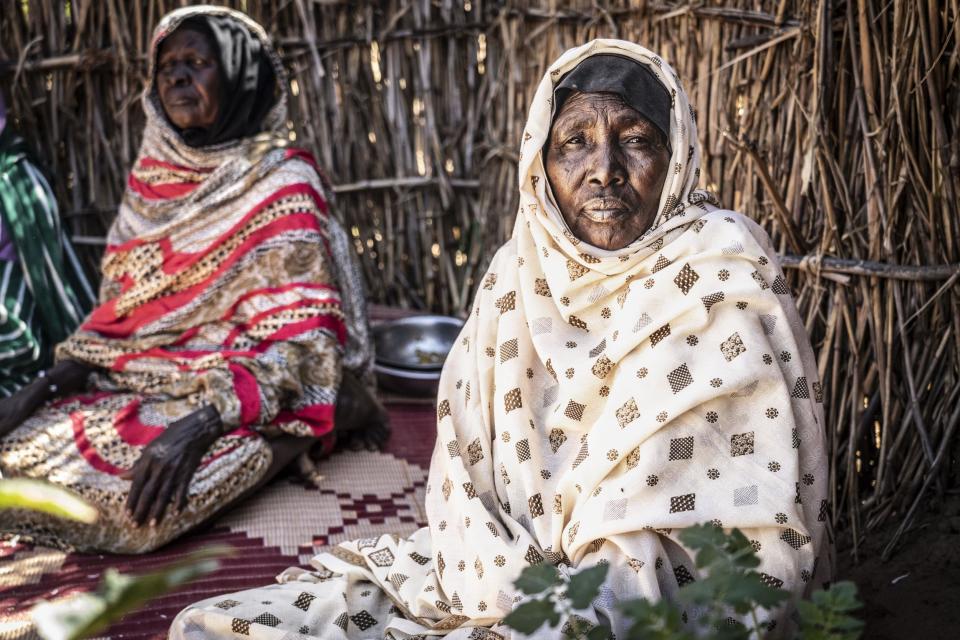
[(833, 123)]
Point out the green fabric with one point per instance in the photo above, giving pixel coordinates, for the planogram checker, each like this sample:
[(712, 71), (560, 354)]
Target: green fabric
[(44, 294)]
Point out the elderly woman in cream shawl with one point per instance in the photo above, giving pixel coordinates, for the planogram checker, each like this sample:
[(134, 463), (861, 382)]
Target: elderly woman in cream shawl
[(633, 365)]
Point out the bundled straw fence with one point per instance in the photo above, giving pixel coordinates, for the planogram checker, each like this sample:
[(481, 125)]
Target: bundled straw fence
[(835, 124)]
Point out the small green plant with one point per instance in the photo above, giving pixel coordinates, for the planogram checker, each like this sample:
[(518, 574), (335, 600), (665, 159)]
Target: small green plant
[(117, 594), (730, 585), (23, 493), (90, 613), (828, 615)]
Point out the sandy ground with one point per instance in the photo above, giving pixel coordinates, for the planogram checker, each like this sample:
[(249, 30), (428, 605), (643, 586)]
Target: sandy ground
[(915, 594)]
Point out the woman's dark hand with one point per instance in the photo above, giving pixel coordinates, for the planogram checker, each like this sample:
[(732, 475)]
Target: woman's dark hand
[(162, 474), (66, 377), (18, 407)]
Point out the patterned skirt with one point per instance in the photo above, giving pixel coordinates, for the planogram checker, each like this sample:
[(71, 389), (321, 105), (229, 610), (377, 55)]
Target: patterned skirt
[(86, 442)]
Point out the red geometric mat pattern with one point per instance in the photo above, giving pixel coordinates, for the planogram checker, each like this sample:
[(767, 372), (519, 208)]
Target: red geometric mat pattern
[(360, 494)]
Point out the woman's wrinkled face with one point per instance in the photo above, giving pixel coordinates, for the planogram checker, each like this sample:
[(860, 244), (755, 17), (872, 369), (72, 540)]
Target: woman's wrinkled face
[(188, 79), (606, 165)]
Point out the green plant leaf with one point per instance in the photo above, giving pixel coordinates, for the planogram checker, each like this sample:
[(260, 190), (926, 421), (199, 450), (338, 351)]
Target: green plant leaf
[(826, 616), (23, 493), (117, 595), (702, 536), (530, 616), (537, 578), (585, 585)]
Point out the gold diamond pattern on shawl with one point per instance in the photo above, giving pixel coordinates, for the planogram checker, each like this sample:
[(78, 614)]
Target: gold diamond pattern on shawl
[(659, 335), (443, 409), (535, 505), (602, 367), (508, 302), (541, 287), (575, 270), (685, 502), (686, 278), (582, 455), (509, 350), (680, 378), (512, 400), (800, 390), (681, 448), (732, 347), (574, 410), (450, 623), (627, 413), (741, 444), (662, 263), (779, 286), (474, 452), (489, 281), (382, 557), (759, 280), (523, 450), (794, 538), (557, 438), (712, 299)]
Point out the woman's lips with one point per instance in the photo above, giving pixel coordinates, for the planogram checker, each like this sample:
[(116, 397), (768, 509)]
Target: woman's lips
[(604, 210), (181, 101)]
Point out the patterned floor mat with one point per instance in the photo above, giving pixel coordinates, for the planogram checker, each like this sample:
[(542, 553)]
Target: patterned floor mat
[(361, 494)]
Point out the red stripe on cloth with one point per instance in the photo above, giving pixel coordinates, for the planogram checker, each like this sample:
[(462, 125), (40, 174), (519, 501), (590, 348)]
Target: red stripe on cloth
[(299, 304), (292, 189), (295, 328), (86, 448), (163, 191), (131, 430), (248, 393), (105, 321), (319, 417), (274, 290)]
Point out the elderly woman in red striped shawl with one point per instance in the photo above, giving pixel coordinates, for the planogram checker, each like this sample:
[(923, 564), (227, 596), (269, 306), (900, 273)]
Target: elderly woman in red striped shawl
[(231, 332)]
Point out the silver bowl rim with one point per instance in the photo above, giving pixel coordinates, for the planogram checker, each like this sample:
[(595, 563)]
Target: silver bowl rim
[(408, 374), (385, 325)]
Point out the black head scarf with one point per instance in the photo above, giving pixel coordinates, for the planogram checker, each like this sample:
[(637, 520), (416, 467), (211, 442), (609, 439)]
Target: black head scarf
[(248, 84), (632, 81)]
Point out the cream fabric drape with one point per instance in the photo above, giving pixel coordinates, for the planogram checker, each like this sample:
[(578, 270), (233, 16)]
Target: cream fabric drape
[(596, 403)]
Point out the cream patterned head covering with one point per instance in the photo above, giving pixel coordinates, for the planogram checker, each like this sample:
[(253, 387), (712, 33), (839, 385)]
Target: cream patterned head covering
[(597, 403)]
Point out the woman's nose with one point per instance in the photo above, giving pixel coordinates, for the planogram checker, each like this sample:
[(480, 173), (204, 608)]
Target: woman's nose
[(178, 75), (607, 167)]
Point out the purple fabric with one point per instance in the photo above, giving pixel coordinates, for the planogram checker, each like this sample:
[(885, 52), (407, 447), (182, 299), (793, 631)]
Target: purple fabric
[(3, 113), (8, 253)]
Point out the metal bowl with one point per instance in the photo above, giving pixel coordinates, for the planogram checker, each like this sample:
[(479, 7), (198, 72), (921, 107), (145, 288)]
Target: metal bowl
[(416, 343), (410, 352), (403, 381)]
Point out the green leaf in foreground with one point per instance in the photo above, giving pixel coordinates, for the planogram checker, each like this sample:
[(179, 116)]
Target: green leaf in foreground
[(827, 615), (530, 616), (23, 493), (537, 578), (585, 585), (117, 595)]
